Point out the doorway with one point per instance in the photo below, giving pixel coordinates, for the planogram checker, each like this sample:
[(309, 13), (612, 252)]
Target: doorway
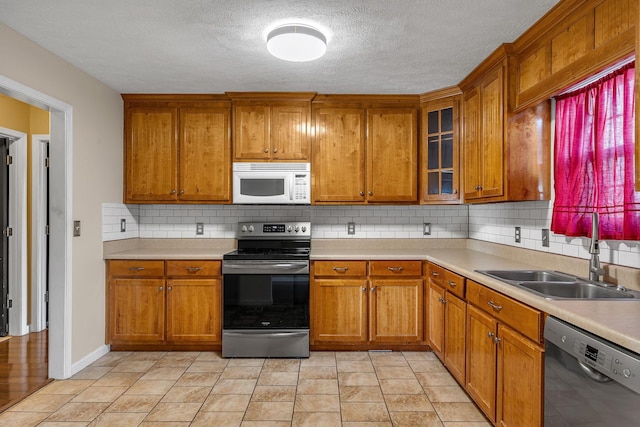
[(61, 223)]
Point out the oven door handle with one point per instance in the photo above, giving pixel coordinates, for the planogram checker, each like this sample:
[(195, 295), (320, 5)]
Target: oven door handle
[(253, 334), (279, 266)]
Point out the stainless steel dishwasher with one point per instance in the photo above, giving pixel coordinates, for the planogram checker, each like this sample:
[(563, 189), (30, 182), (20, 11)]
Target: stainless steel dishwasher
[(589, 381)]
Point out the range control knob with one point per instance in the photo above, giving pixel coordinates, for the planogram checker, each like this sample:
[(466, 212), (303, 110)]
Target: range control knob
[(251, 229), (244, 229), (626, 373), (297, 229), (304, 228), (289, 229)]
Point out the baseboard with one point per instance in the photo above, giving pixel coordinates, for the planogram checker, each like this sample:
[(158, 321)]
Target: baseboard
[(89, 359)]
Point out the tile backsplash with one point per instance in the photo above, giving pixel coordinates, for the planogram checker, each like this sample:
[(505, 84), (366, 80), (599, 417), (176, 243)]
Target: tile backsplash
[(496, 223), (328, 222), (488, 222)]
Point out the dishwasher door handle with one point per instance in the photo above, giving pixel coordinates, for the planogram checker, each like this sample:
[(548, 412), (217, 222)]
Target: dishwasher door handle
[(593, 374)]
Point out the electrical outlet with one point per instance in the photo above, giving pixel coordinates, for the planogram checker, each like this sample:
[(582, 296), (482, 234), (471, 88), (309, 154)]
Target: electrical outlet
[(545, 237), (517, 235), (199, 229), (123, 225), (351, 228), (426, 228)]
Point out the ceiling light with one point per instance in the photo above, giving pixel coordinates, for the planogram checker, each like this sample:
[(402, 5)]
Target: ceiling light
[(297, 43)]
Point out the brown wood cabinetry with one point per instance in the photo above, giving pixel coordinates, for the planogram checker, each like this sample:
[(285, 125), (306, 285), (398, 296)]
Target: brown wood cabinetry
[(447, 318), (364, 149), (504, 358), (271, 126), (573, 41), (177, 149), (505, 155), (148, 308), (366, 303), (439, 146)]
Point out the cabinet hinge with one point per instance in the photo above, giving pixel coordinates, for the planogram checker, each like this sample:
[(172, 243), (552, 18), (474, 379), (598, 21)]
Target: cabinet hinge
[(9, 159), (47, 162), (46, 297), (8, 231), (46, 229)]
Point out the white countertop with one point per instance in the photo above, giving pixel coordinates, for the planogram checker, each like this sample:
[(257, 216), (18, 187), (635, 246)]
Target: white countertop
[(617, 321)]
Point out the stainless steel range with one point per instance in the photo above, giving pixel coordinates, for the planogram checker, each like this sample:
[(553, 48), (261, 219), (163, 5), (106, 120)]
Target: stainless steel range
[(266, 291)]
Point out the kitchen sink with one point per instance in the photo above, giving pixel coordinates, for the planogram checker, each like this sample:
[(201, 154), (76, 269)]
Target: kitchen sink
[(529, 275), (558, 285), (573, 290)]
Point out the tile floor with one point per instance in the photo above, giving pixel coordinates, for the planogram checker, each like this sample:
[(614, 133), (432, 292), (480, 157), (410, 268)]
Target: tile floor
[(201, 389)]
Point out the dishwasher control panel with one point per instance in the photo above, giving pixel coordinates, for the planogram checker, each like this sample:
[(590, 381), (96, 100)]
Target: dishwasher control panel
[(593, 352)]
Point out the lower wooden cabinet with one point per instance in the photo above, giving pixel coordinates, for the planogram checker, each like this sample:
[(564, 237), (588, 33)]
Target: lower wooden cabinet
[(447, 318), (504, 367), (163, 303), (360, 302)]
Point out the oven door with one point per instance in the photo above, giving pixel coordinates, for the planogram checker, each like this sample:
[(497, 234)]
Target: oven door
[(260, 294)]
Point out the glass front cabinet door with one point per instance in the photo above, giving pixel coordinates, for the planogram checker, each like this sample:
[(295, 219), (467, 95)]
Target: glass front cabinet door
[(439, 160)]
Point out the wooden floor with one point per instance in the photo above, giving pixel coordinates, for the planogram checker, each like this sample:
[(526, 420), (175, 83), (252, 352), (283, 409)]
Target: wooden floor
[(23, 367)]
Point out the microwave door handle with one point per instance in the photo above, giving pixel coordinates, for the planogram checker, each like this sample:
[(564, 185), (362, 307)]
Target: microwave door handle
[(291, 179)]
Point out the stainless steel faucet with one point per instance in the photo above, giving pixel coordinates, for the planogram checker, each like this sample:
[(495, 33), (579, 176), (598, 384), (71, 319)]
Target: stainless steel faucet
[(595, 271)]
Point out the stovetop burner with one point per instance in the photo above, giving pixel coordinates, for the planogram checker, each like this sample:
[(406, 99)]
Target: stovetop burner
[(272, 241)]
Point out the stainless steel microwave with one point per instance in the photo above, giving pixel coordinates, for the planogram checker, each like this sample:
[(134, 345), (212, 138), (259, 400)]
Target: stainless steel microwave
[(272, 183)]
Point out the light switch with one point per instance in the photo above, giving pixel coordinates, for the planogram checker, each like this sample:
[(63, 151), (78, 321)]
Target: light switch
[(76, 228)]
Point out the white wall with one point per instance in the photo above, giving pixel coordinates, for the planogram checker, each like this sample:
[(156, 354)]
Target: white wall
[(97, 170)]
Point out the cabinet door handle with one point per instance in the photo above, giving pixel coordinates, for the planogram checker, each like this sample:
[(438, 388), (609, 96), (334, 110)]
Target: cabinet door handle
[(194, 268), (181, 192), (495, 306), (491, 335), (169, 288), (442, 300), (341, 269), (362, 193), (364, 289), (497, 340), (173, 192), (373, 289), (159, 288), (455, 191), (275, 150), (452, 283), (395, 268), (136, 268), (433, 273), (371, 193)]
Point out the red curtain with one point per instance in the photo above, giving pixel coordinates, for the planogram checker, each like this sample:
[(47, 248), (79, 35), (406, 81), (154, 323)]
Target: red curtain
[(594, 159)]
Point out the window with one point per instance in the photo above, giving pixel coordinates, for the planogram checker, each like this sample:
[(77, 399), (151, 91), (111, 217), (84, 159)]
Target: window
[(594, 159)]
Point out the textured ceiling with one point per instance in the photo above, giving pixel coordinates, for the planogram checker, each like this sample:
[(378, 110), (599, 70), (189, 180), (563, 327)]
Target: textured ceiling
[(209, 46)]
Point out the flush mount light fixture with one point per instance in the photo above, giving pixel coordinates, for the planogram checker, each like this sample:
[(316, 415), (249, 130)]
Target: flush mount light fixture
[(297, 43)]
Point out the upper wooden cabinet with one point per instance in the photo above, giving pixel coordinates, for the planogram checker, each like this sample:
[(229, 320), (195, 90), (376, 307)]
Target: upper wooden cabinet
[(177, 149), (439, 146), (505, 155), (574, 40), (365, 149), (271, 126)]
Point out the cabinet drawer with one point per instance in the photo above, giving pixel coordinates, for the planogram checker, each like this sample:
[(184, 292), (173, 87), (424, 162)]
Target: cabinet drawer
[(436, 274), (524, 319), (395, 268), (193, 268), (133, 268), (340, 268), (454, 283)]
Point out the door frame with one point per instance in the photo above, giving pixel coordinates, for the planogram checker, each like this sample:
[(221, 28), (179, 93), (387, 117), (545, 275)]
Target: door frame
[(61, 221), (38, 237), (18, 222)]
